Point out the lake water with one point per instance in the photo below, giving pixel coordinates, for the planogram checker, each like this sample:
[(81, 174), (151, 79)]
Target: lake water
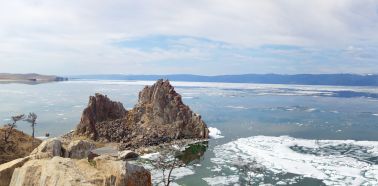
[(286, 134)]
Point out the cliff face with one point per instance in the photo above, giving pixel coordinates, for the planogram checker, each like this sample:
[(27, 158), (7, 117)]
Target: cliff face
[(159, 116)]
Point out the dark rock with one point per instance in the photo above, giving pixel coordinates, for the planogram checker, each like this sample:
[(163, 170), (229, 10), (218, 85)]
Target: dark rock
[(127, 154)]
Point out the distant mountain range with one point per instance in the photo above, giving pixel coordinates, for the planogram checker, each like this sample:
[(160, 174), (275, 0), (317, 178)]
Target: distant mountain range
[(299, 79)]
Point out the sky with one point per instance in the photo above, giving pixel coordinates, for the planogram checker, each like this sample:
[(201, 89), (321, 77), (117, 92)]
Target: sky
[(207, 37)]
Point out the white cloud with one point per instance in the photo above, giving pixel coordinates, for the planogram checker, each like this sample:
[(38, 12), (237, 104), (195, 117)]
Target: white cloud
[(64, 34)]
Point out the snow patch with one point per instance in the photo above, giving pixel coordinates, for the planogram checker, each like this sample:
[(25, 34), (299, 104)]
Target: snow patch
[(215, 133)]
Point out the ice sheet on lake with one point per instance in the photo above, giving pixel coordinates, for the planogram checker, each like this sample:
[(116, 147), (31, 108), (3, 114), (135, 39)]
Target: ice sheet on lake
[(177, 173), (236, 107), (261, 89), (335, 162)]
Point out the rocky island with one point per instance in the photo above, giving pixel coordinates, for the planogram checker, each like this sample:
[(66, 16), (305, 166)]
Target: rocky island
[(159, 117)]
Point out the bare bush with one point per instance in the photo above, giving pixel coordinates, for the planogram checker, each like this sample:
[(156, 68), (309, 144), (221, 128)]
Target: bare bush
[(32, 118), (8, 128)]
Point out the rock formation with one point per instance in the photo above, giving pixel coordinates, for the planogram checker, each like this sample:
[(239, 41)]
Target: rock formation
[(100, 108), (65, 171), (79, 149), (159, 116), (47, 149), (6, 170)]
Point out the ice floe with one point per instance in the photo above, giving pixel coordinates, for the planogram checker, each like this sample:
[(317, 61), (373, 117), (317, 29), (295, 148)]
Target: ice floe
[(215, 133), (335, 162), (236, 107), (222, 180)]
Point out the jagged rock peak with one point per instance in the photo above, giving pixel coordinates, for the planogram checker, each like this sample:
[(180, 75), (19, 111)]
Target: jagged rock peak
[(160, 105), (160, 92), (100, 108)]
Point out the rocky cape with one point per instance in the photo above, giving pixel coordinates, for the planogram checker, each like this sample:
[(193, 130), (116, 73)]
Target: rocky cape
[(31, 78), (160, 116)]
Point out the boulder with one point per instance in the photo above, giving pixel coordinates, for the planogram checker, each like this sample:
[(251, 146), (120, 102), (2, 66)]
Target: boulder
[(79, 149), (47, 149), (6, 170), (127, 154), (70, 172)]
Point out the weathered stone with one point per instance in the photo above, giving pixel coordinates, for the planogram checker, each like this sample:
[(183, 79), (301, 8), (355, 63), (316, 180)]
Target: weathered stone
[(47, 149), (79, 149), (100, 108), (6, 170), (70, 172), (127, 154)]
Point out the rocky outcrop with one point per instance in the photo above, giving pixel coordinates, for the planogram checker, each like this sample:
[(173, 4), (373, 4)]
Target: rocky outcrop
[(100, 108), (79, 149), (161, 112), (6, 170), (46, 166), (159, 116), (70, 172)]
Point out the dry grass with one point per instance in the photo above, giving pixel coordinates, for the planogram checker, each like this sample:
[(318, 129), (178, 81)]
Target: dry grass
[(20, 145)]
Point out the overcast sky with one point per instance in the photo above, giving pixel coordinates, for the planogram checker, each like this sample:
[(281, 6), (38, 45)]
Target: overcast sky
[(67, 37)]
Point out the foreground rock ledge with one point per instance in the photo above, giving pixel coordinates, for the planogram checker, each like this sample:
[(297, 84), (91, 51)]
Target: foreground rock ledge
[(65, 171), (159, 116), (45, 166)]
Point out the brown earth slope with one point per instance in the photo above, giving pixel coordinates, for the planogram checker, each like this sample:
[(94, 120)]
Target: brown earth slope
[(19, 145)]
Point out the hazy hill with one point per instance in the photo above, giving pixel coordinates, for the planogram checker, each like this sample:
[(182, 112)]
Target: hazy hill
[(300, 79)]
